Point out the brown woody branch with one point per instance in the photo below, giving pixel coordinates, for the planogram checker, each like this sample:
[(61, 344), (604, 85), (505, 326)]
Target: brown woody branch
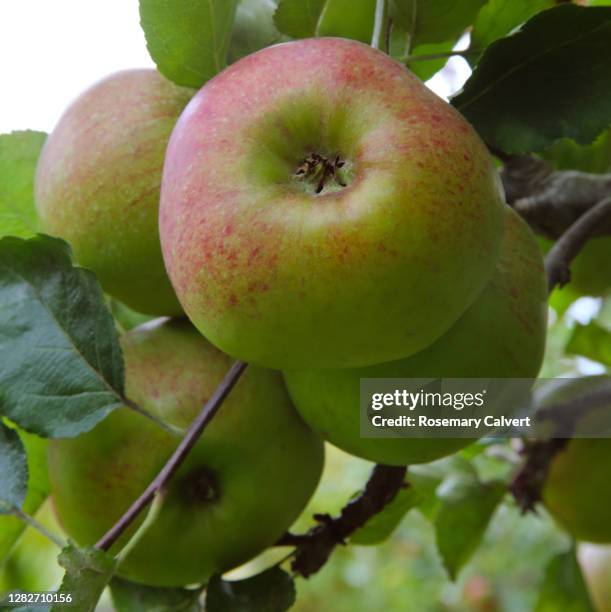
[(568, 246), (552, 201), (571, 207), (180, 454), (314, 548), (528, 483)]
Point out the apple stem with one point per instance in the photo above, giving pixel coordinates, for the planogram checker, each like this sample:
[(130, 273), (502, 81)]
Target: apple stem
[(380, 25), (195, 430)]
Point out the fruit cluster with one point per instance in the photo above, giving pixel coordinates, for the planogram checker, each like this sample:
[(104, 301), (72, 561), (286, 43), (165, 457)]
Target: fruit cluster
[(313, 210)]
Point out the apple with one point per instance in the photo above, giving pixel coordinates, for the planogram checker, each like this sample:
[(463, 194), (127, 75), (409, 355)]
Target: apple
[(502, 335), (595, 563), (576, 491), (243, 484), (98, 182), (321, 208), (591, 269)]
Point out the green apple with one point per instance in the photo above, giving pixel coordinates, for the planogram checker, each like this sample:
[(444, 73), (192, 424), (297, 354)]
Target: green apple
[(576, 490), (591, 269), (502, 335), (320, 207), (98, 182), (241, 487), (595, 563)]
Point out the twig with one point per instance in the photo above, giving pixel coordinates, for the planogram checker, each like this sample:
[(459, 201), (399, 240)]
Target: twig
[(180, 454), (568, 246), (528, 483), (433, 56), (387, 35), (314, 548), (549, 201), (380, 25)]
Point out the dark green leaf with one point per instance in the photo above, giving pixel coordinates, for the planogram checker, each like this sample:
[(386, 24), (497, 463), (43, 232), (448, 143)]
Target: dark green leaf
[(347, 19), (188, 39), (499, 17), (563, 587), (19, 153), (271, 591), (13, 470), (548, 81), (466, 507), (88, 572), (61, 367), (253, 28), (298, 18), (566, 154), (435, 21), (591, 341), (11, 527), (130, 597)]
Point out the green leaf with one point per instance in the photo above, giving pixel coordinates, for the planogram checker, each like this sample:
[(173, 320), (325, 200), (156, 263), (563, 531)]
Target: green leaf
[(563, 587), (188, 39), (126, 317), (253, 28), (271, 591), (566, 154), (61, 367), (13, 471), (88, 572), (466, 507), (420, 489), (435, 21), (11, 528), (131, 597), (298, 18), (548, 81), (381, 526), (19, 153), (425, 69), (348, 19), (499, 17), (591, 341)]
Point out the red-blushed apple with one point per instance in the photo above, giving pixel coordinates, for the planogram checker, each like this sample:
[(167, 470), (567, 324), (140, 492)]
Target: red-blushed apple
[(502, 335), (595, 563), (242, 485), (576, 491), (320, 207), (98, 181)]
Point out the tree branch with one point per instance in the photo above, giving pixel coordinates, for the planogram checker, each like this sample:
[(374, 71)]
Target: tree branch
[(552, 201), (315, 547), (180, 454), (528, 483), (568, 246)]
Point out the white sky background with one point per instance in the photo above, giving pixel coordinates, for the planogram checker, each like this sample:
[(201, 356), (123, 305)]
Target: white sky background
[(52, 50)]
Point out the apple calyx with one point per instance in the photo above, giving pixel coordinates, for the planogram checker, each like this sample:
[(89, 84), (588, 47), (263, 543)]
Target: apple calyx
[(200, 486), (317, 170)]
